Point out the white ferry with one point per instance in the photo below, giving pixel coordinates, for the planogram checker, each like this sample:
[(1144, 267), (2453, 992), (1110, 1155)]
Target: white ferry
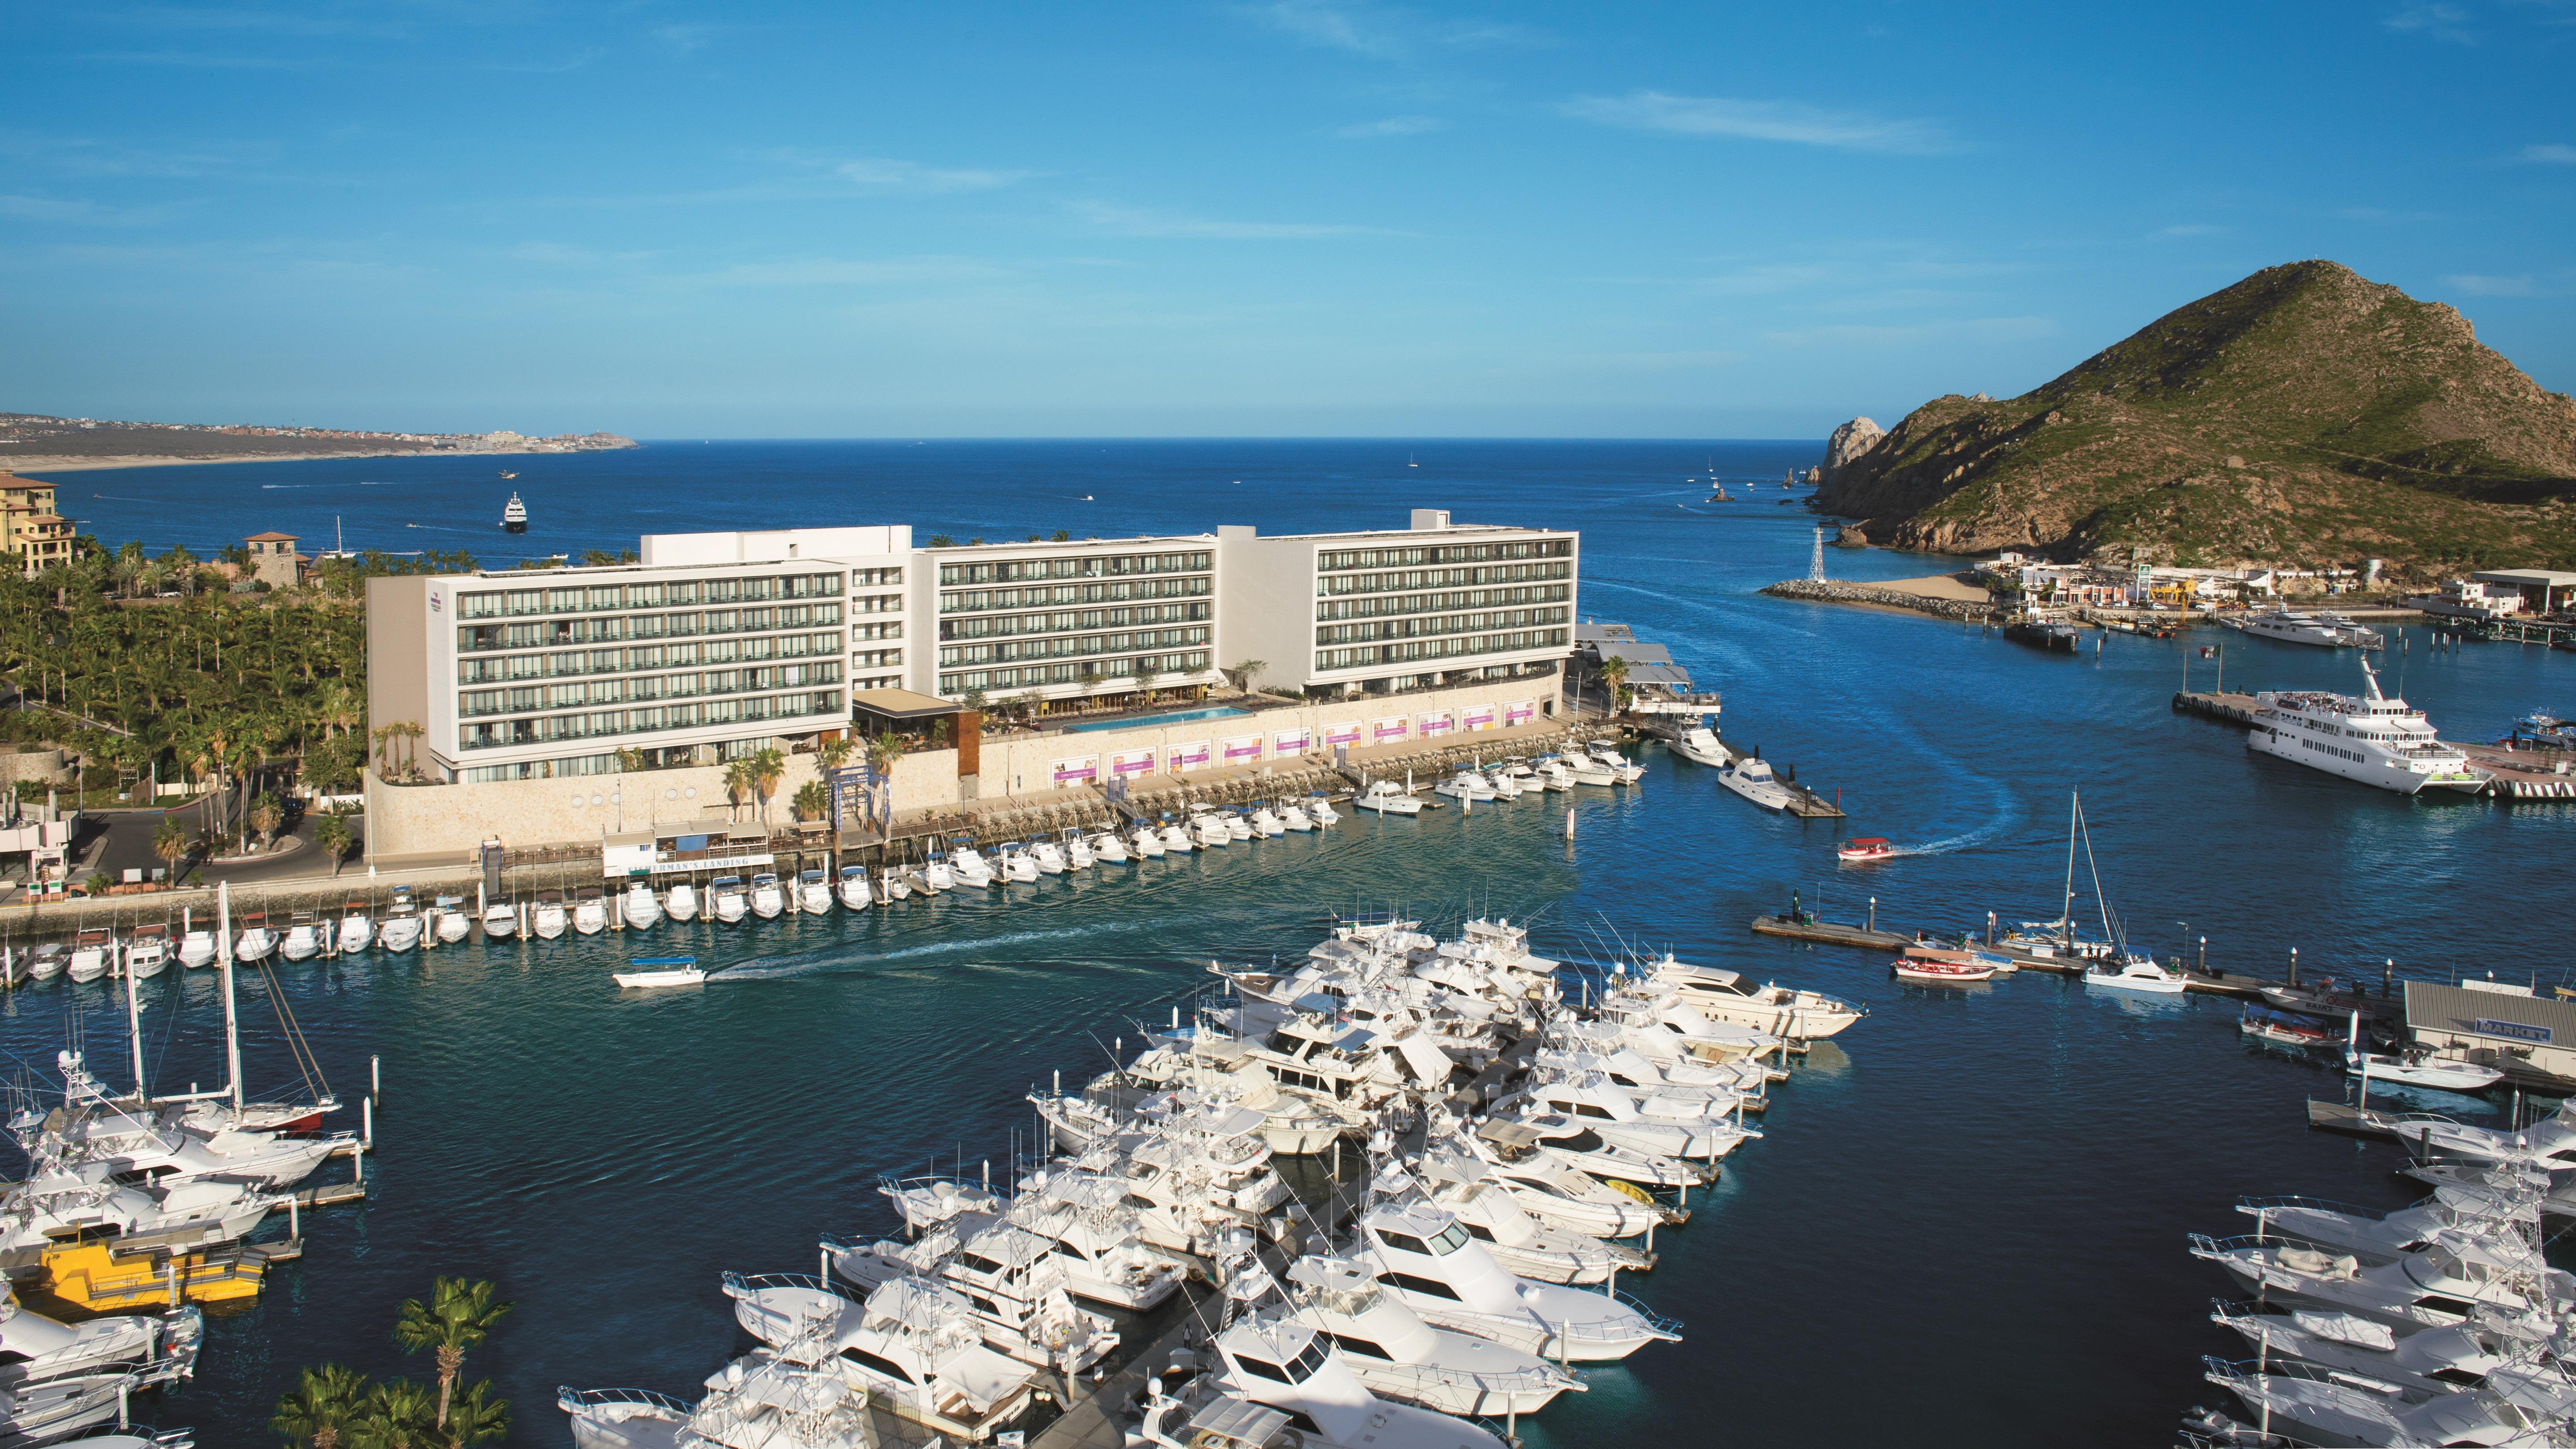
[(2376, 740), (2326, 631)]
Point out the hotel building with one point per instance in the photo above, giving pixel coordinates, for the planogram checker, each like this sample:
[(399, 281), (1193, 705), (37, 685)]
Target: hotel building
[(718, 644)]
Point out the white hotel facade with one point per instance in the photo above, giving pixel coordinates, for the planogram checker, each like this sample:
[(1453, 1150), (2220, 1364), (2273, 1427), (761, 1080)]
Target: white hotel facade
[(718, 644)]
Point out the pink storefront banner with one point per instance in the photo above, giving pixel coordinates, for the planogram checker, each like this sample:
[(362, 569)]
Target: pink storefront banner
[(1076, 772), (1242, 747), (1386, 729), (1520, 713), (1192, 756), (1289, 742), (1123, 763), (1436, 724), (1479, 718), (1341, 734)]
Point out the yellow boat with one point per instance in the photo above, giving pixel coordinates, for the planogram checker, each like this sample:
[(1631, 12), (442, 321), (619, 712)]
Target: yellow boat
[(95, 1276)]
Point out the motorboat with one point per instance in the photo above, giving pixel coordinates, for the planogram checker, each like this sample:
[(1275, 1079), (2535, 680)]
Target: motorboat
[(589, 911), (2449, 1283), (1146, 840), (969, 867), (1048, 856), (1585, 770), (1176, 836), (914, 1344), (1699, 745), (1385, 797), (500, 921), (937, 874), (2374, 739), (1397, 1355), (1465, 785), (1447, 1278), (1208, 829), (892, 886), (2136, 973), (197, 947), (649, 972), (637, 905), (813, 896), (1078, 854), (1236, 827), (2381, 1236), (1293, 816), (305, 938), (1523, 1244), (1866, 847), (2418, 1067), (1506, 786), (47, 961), (1016, 864), (2042, 632), (549, 917), (1265, 822), (401, 930), (625, 1418), (1731, 998), (2284, 1029), (681, 904), (93, 955), (454, 924), (1281, 1383), (854, 887), (256, 942), (2514, 1404), (1623, 771), (514, 515), (37, 1349), (2425, 1361), (725, 895), (768, 898), (357, 928), (1319, 808), (147, 951), (1108, 849), (1552, 772), (1754, 780)]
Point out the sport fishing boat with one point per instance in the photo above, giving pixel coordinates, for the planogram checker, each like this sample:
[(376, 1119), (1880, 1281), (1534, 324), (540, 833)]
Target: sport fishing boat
[(2374, 739), (724, 894), (682, 903), (1700, 746), (1386, 797), (854, 887), (767, 899), (357, 928), (1866, 847), (1280, 1382), (638, 906), (813, 897), (1753, 780), (648, 972), (147, 951), (589, 911), (2136, 973), (2418, 1067), (514, 516)]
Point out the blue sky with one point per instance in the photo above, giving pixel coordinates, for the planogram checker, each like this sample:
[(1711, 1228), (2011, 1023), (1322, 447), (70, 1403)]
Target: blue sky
[(1267, 218)]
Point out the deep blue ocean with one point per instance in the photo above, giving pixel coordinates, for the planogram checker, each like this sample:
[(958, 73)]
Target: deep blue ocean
[(1964, 1227)]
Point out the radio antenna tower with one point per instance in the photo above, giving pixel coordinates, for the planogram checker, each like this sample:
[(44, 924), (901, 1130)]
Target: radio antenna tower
[(1816, 565)]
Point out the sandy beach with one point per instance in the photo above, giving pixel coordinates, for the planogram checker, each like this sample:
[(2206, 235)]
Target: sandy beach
[(1959, 588)]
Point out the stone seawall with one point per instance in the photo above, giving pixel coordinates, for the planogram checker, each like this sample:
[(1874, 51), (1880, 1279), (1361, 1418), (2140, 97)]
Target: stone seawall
[(1832, 592)]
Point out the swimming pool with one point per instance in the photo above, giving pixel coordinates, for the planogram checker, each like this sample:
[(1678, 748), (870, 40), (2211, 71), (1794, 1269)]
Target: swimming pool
[(1177, 716)]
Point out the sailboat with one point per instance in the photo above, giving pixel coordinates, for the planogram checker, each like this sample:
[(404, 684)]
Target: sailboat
[(1408, 461), (2117, 969)]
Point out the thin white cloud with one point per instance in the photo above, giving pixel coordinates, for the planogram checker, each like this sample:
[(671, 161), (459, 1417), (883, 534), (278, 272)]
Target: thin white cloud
[(877, 174), (198, 60), (2553, 154), (1136, 222), (78, 213), (1391, 126), (1330, 27), (2474, 285), (1760, 121), (1856, 335), (845, 272), (2434, 19), (687, 39), (1385, 34), (2195, 228), (89, 156)]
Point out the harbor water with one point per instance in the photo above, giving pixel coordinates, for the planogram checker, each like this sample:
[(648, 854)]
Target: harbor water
[(1965, 1223)]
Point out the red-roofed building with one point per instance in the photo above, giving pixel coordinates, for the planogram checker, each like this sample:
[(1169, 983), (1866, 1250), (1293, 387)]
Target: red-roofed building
[(273, 559)]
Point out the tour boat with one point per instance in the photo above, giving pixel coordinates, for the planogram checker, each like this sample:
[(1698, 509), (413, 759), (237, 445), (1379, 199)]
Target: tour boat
[(1933, 967), (1866, 847), (2137, 974), (514, 516), (2374, 739), (652, 971)]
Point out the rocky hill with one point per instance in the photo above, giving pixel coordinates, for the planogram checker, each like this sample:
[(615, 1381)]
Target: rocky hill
[(2303, 415)]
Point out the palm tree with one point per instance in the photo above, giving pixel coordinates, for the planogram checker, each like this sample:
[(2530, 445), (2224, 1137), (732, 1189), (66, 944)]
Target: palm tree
[(324, 1404), (332, 833), (397, 1414), (264, 817), (738, 781), (1614, 674), (883, 751), (767, 765), (477, 1416), (459, 1315), (833, 753), (812, 801), (1243, 672), (170, 842)]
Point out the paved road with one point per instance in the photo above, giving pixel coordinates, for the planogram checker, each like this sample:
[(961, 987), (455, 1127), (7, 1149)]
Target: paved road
[(114, 842)]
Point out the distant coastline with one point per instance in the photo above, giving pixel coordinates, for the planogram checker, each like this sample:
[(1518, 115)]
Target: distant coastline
[(33, 443), (60, 464)]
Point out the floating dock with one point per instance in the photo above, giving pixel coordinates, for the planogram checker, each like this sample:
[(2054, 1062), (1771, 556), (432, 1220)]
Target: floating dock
[(1803, 802)]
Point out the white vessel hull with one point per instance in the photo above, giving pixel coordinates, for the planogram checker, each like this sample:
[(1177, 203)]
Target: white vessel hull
[(1761, 792), (2380, 773)]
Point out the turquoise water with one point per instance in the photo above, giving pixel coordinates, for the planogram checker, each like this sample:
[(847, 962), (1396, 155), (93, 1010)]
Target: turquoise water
[(1965, 1225), (1148, 721)]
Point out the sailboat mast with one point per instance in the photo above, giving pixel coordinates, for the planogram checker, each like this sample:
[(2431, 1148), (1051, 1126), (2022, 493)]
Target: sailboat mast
[(2066, 908), (232, 1020), (134, 1030)]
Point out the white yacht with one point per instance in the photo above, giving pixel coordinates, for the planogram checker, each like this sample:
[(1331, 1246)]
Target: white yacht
[(1465, 785), (638, 906), (969, 867), (2374, 739), (1753, 780), (623, 1418), (2136, 973), (1723, 995), (1700, 746), (768, 899), (1283, 1384), (2325, 631), (1387, 798), (514, 516), (1452, 1282), (1389, 1347)]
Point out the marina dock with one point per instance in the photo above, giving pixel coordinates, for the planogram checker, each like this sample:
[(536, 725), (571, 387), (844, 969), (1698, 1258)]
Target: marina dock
[(1867, 938), (1803, 802)]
